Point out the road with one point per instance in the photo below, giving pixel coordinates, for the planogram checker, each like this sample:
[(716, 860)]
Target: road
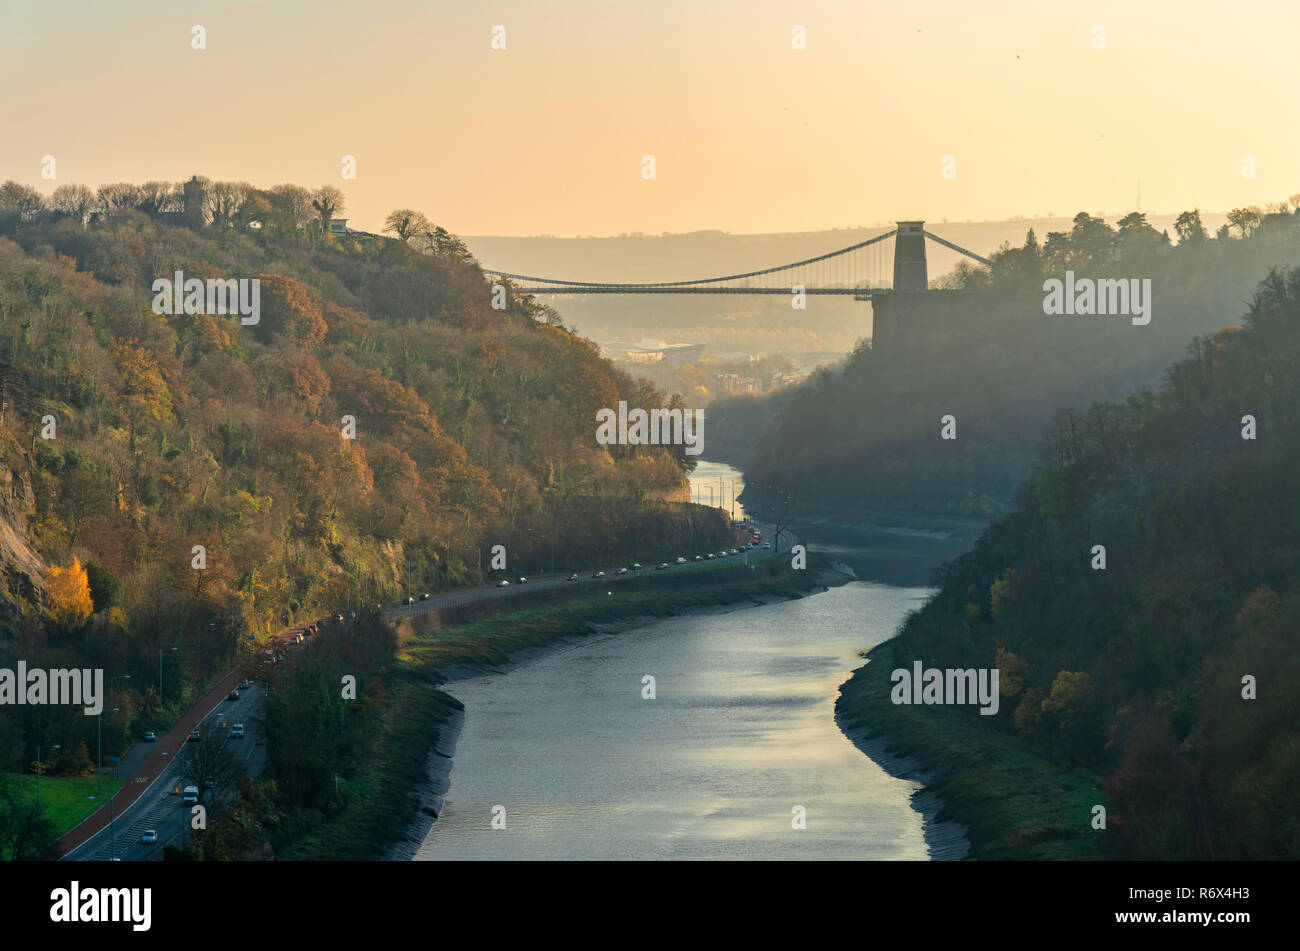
[(488, 592), (147, 800)]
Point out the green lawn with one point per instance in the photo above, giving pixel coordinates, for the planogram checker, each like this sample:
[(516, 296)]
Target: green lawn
[(64, 800)]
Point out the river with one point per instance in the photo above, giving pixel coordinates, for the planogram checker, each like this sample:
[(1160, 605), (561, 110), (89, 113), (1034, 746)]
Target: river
[(741, 731)]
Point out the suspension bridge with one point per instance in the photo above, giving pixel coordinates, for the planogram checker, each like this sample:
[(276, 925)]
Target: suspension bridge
[(856, 271)]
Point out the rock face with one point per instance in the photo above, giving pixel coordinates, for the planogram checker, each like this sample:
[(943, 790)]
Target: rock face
[(24, 569)]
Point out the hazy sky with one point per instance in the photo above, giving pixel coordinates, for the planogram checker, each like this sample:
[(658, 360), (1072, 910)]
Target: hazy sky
[(748, 134)]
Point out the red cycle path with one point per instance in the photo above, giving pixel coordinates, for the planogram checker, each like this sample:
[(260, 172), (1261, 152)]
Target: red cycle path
[(150, 769)]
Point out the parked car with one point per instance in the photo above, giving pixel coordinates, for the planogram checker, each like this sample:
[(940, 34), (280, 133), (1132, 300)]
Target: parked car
[(149, 837), (503, 583)]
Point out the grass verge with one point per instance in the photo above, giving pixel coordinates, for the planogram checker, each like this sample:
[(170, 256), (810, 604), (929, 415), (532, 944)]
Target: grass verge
[(1014, 803)]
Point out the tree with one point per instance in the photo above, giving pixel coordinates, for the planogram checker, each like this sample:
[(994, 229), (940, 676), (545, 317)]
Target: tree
[(405, 223), (328, 202), (67, 589), (23, 825), (1189, 228), (118, 196), (20, 203), (291, 208), (211, 766), (75, 201), (1245, 220), (223, 201)]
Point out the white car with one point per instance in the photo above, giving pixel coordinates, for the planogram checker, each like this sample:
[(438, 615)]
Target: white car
[(237, 731), (681, 560), (503, 583), (150, 837)]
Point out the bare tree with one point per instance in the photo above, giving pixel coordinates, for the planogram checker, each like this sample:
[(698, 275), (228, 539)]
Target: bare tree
[(156, 197), (328, 202), (291, 207), (22, 201), (406, 223), (210, 766), (118, 196), (75, 201), (224, 201)]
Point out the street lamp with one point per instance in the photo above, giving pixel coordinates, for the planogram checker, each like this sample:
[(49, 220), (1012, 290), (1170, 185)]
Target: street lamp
[(99, 748), (56, 746)]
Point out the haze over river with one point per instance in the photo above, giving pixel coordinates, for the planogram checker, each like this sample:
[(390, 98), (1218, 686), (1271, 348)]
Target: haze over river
[(741, 731)]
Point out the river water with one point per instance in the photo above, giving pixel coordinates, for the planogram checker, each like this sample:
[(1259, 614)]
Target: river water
[(741, 731)]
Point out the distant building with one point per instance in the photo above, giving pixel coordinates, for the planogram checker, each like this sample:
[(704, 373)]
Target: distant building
[(339, 226), (733, 384), (656, 364), (193, 212)]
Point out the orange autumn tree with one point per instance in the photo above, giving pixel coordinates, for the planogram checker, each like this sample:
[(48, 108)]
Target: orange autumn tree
[(67, 591)]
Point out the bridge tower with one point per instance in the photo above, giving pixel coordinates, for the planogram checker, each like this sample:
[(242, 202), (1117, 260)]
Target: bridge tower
[(910, 272)]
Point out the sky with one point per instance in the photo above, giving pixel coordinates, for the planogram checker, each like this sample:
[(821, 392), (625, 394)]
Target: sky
[(748, 135)]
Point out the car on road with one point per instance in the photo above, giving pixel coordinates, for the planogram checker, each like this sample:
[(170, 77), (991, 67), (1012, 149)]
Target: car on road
[(621, 571), (635, 566), (233, 695), (523, 580), (681, 560), (503, 583), (571, 578), (149, 837), (661, 566), (734, 551), (409, 600), (699, 557), (710, 556), (767, 546), (194, 737), (424, 597), (190, 795), (599, 574), (237, 731), (149, 737)]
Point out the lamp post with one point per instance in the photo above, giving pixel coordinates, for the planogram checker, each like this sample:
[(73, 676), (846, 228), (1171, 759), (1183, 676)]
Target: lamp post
[(56, 746), (99, 744)]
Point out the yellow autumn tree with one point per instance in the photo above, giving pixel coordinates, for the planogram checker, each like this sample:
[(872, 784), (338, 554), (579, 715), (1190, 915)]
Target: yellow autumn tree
[(68, 592)]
